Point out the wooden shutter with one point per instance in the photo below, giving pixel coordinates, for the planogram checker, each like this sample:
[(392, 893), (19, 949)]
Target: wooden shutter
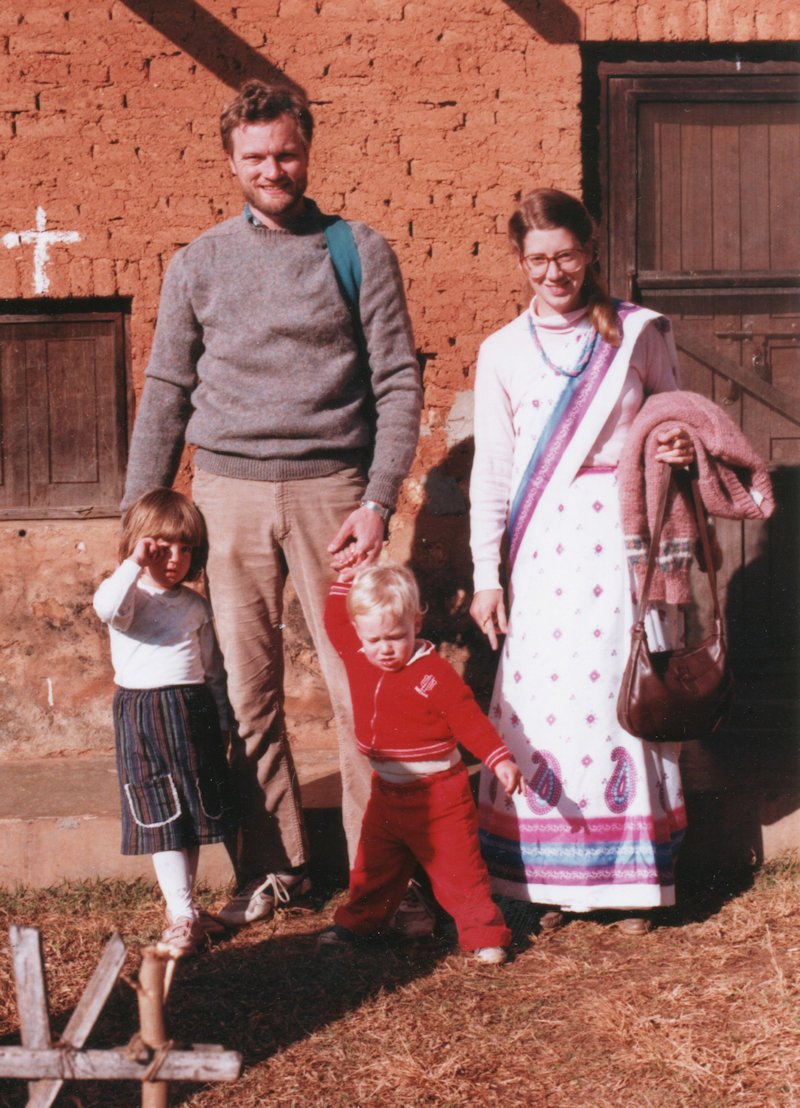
[(63, 413)]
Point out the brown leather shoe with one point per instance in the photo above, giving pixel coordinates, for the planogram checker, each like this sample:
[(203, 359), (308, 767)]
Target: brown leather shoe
[(634, 925)]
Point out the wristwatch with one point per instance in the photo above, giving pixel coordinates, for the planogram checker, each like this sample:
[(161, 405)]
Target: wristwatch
[(374, 506)]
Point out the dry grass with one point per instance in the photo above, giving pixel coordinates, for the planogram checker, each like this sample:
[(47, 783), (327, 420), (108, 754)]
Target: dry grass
[(704, 1011)]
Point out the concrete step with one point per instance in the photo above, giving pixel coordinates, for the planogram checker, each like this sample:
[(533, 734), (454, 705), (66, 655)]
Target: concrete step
[(59, 819)]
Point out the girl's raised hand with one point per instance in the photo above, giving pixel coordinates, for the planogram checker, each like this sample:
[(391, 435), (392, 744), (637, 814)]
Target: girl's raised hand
[(147, 552)]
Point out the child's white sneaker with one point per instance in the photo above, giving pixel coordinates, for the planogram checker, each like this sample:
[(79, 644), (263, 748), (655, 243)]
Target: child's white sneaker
[(491, 955)]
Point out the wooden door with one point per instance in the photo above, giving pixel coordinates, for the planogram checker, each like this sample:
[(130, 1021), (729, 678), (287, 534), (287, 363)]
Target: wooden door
[(702, 219)]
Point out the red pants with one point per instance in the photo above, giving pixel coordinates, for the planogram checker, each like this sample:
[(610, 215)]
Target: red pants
[(431, 821)]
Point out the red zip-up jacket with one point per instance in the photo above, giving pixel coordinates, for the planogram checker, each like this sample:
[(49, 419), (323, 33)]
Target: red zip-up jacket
[(417, 713)]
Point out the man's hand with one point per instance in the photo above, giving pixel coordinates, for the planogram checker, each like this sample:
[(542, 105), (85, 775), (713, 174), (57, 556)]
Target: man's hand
[(358, 541)]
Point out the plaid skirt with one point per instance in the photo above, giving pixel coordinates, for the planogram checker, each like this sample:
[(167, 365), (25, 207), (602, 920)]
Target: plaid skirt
[(174, 779)]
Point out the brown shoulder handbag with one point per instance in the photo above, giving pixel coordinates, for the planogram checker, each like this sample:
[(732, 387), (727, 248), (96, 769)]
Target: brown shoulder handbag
[(676, 695)]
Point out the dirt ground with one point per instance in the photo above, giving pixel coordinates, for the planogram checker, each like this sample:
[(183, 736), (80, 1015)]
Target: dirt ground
[(703, 1011)]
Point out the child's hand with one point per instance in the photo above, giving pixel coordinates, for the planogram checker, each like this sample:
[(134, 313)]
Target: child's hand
[(509, 776), (346, 561), (147, 552)]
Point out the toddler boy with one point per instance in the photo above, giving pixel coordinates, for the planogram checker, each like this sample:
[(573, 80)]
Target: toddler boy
[(410, 710)]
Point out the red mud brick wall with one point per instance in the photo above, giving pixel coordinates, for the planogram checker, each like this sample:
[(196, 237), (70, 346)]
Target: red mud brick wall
[(432, 118)]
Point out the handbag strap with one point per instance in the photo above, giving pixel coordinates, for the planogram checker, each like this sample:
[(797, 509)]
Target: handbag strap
[(700, 519), (708, 554)]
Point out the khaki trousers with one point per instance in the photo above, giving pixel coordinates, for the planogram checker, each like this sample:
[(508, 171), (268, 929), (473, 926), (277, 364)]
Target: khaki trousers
[(260, 531)]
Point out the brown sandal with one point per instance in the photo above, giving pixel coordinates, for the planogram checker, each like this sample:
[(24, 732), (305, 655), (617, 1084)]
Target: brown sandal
[(551, 921), (634, 925)]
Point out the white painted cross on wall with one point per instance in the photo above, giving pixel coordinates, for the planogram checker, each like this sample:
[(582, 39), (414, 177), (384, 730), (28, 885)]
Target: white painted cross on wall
[(42, 241)]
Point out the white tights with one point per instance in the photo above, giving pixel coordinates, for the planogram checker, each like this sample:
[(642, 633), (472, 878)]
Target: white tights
[(176, 871)]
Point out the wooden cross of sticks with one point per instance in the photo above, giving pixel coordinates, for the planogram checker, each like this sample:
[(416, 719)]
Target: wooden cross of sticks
[(149, 1058)]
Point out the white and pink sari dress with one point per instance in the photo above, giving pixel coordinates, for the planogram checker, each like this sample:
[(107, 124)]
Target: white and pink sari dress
[(602, 814)]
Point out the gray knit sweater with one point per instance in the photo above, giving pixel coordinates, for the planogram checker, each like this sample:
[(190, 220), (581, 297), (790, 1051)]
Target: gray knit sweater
[(254, 361)]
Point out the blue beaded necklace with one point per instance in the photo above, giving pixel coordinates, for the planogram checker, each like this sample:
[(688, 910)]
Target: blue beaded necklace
[(585, 356)]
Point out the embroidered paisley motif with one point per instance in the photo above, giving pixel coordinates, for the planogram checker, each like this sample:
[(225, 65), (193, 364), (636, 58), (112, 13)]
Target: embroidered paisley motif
[(543, 790), (621, 787)]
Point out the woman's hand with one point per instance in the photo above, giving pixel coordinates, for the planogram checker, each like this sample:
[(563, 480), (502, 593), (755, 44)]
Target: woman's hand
[(675, 447), (489, 612)]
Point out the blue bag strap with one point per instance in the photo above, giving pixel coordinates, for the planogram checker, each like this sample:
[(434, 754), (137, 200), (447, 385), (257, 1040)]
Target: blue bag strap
[(347, 267), (344, 257), (346, 262)]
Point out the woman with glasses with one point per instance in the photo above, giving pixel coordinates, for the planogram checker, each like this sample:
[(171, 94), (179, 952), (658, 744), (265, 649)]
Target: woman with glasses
[(601, 818)]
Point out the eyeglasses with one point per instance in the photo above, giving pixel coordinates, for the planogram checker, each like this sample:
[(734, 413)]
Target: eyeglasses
[(568, 261)]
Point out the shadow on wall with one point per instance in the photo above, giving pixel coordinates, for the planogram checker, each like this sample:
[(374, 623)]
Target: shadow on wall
[(203, 37), (746, 780), (554, 20), (441, 559), (214, 46)]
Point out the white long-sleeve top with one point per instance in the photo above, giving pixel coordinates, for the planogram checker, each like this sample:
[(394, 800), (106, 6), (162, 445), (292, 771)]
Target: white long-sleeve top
[(514, 395), (160, 637)]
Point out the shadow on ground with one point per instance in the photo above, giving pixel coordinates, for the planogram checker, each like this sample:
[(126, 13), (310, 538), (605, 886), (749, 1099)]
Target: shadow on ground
[(258, 994), (265, 991)]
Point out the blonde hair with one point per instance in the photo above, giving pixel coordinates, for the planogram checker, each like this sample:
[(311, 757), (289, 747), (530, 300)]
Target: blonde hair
[(168, 515), (388, 587), (549, 210)]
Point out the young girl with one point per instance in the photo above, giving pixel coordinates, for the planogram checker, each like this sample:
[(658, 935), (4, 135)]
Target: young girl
[(170, 707)]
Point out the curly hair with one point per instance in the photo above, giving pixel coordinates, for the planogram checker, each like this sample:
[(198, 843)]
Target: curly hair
[(258, 102)]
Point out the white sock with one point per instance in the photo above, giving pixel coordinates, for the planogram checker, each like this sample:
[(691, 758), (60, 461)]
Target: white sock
[(174, 876)]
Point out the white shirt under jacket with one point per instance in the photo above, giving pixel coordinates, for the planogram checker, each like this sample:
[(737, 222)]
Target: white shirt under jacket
[(160, 637)]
